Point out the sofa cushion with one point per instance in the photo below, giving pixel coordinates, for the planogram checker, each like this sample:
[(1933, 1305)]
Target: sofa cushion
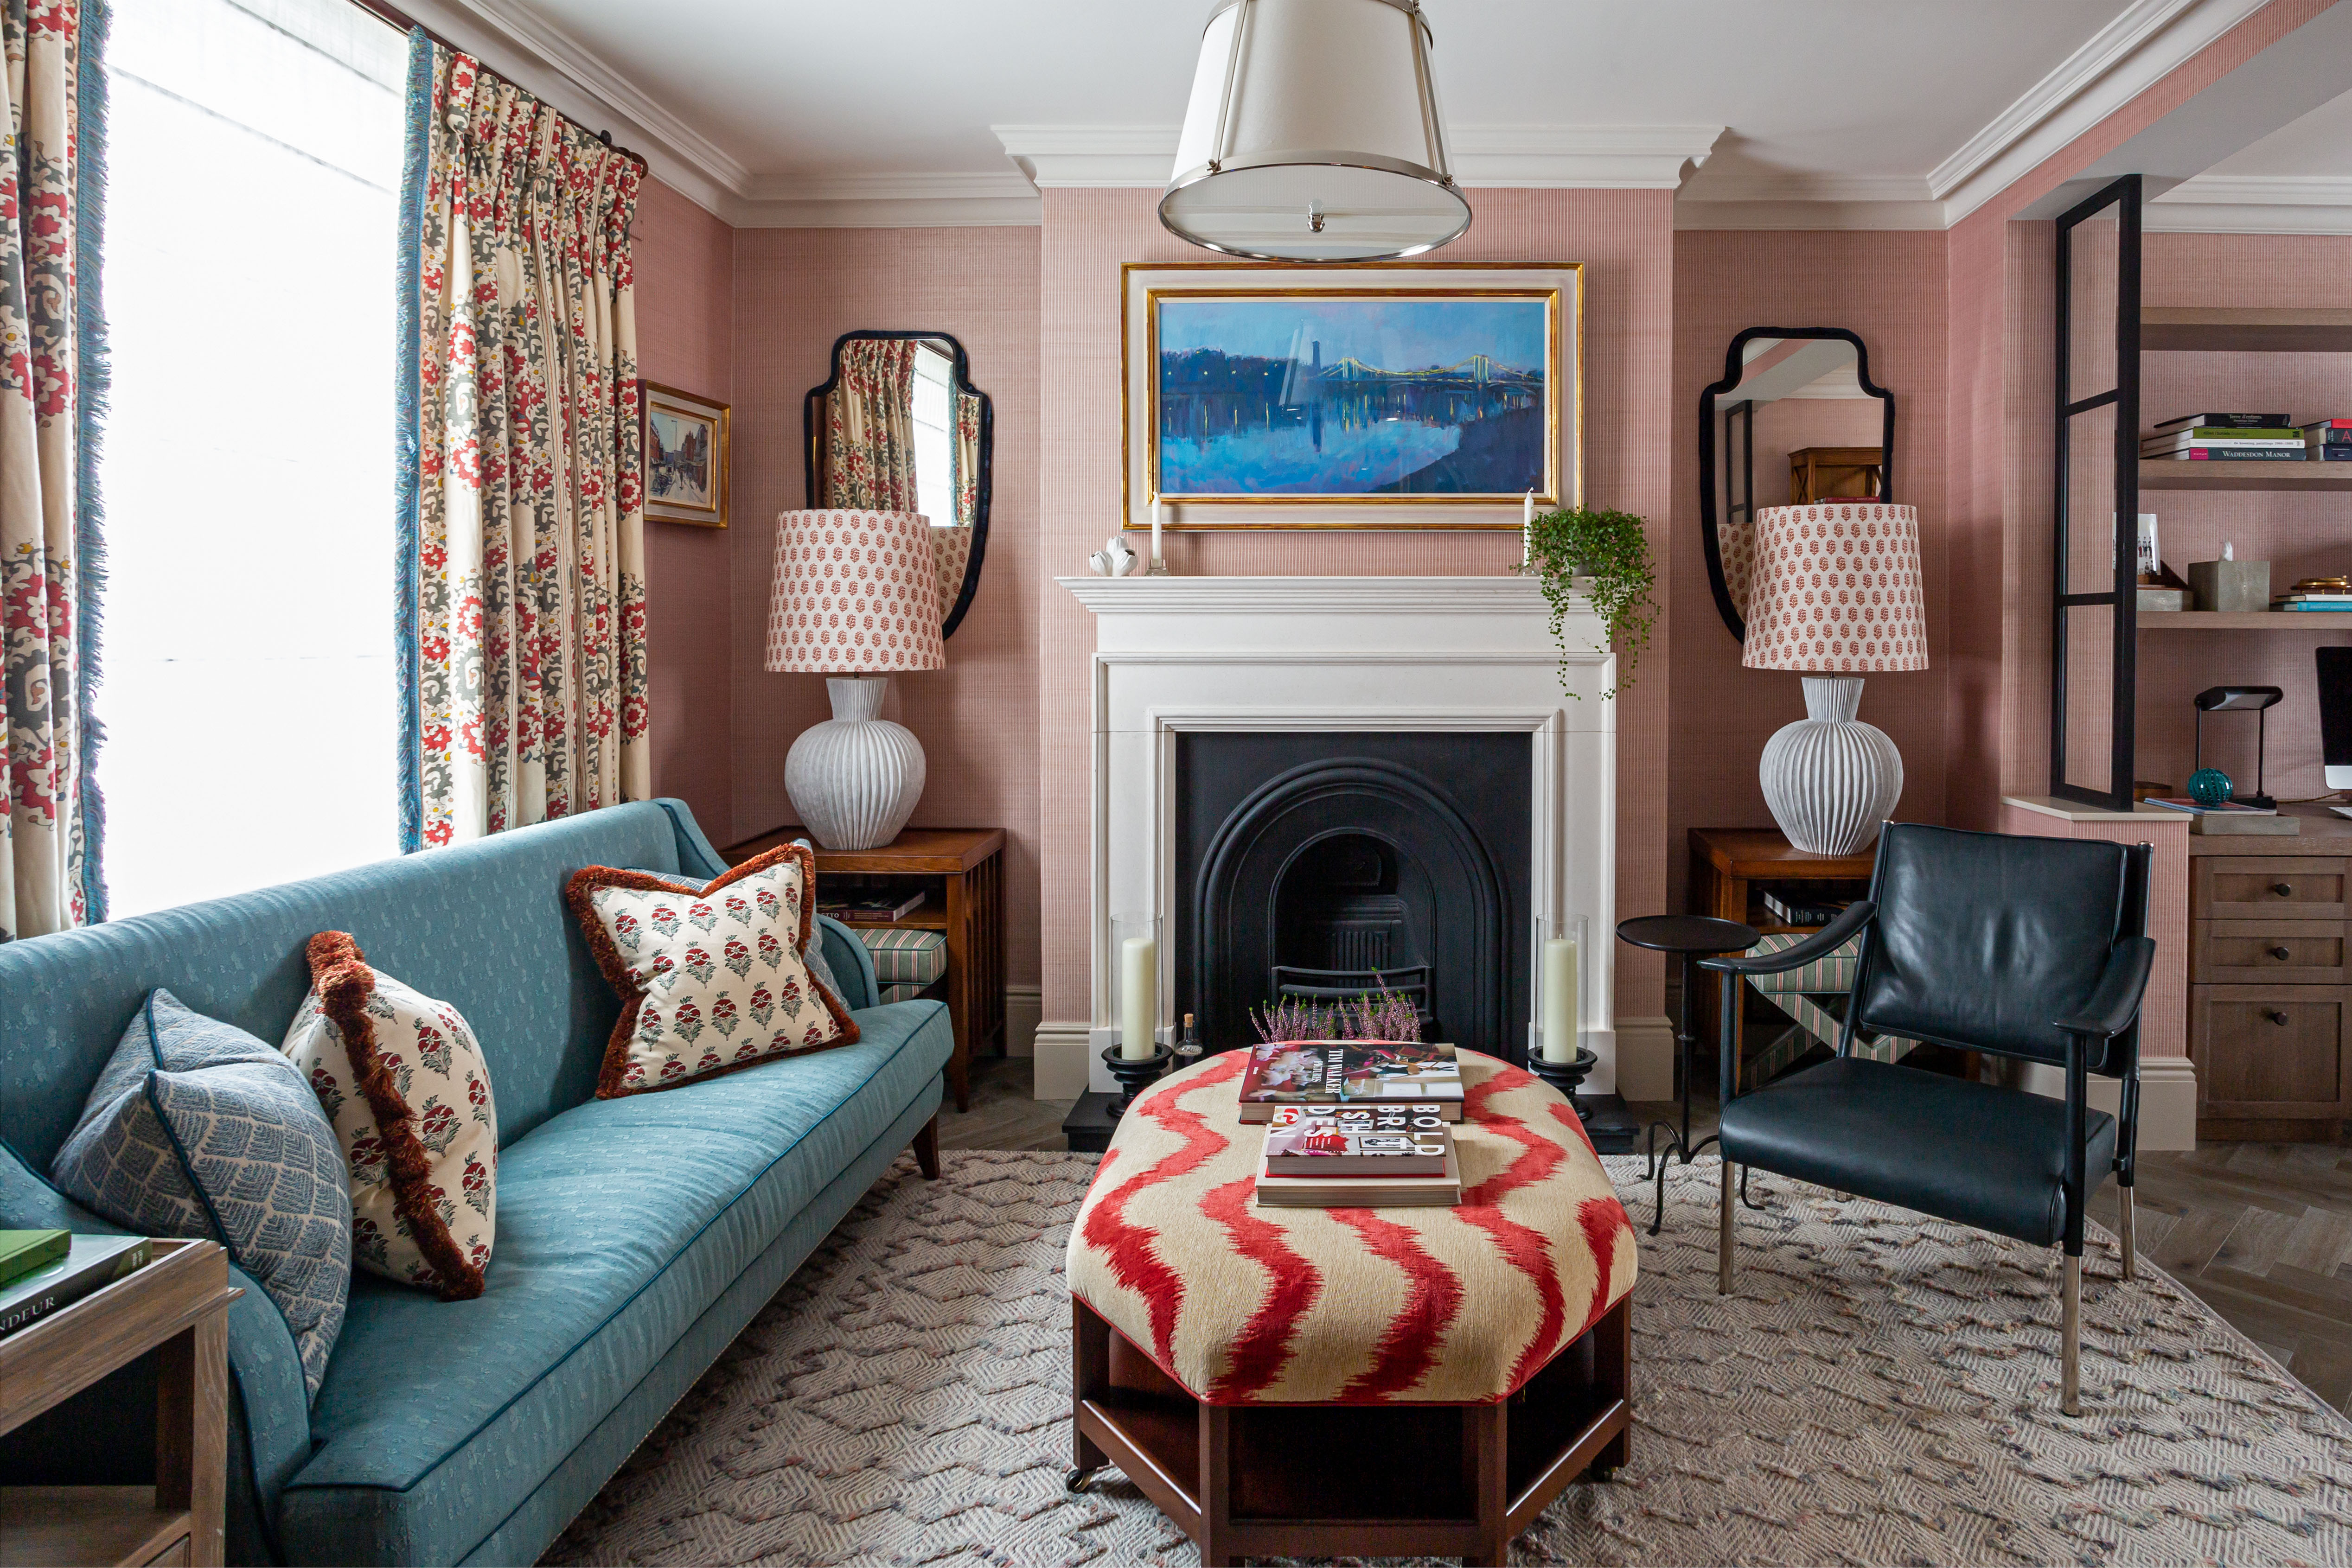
[(404, 1080), (620, 1222), (904, 956), (712, 976), (196, 1128)]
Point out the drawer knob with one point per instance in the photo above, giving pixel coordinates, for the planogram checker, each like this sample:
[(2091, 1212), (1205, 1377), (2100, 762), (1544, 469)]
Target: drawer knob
[(2281, 954), (2283, 889), (2275, 1016)]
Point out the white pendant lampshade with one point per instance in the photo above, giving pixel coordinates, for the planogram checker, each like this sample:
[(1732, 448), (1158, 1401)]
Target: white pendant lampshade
[(1313, 135), (1836, 596), (855, 596)]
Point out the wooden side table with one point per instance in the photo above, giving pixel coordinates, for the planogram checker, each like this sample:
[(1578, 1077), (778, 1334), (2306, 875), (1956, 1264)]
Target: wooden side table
[(961, 873), (1730, 870), (179, 1302)]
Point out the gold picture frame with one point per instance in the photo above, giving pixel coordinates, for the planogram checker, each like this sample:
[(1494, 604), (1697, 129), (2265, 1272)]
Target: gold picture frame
[(688, 457), (1148, 289)]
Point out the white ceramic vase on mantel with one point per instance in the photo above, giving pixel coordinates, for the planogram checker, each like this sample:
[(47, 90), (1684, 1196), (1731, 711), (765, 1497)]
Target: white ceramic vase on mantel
[(1830, 779)]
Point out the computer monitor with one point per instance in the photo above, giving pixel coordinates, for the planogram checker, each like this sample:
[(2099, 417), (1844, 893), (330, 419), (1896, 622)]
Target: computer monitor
[(2336, 716)]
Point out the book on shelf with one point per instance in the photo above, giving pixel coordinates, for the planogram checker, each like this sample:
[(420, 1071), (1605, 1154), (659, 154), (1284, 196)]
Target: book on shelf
[(21, 1251), (2328, 451), (2275, 435), (2209, 453), (2224, 808), (2324, 606), (1440, 1191), (872, 906), (2333, 429), (2224, 421), (1376, 1141), (1797, 912), (1349, 1071), (90, 1264)]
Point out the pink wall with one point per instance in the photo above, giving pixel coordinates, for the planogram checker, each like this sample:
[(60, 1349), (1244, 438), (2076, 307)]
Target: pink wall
[(1888, 288), (2164, 1011), (1626, 241), (686, 323), (1997, 489), (795, 291)]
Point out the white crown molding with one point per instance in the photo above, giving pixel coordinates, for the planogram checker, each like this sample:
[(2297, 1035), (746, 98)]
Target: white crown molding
[(2122, 59), (1557, 157), (2253, 204), (1720, 186), (1696, 214), (1000, 199)]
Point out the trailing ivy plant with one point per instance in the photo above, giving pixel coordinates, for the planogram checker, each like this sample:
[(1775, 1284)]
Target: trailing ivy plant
[(1611, 549)]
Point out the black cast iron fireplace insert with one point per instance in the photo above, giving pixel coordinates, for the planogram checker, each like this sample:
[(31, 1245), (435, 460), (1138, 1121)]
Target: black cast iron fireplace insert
[(1321, 864)]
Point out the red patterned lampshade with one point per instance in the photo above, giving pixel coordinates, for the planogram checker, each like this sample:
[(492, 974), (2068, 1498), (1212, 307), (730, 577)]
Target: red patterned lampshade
[(1837, 590), (856, 593)]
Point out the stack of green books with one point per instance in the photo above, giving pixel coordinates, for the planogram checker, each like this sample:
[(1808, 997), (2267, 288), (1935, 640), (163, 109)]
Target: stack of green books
[(43, 1271)]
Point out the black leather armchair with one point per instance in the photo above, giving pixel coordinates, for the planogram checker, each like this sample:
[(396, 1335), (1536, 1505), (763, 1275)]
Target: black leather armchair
[(2025, 947)]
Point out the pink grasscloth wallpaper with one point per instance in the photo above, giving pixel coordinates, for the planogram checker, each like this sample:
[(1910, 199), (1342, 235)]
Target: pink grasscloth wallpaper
[(1888, 289), (795, 291), (685, 338), (1625, 239)]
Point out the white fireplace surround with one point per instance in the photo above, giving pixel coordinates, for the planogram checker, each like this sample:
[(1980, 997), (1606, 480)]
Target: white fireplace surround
[(1191, 655)]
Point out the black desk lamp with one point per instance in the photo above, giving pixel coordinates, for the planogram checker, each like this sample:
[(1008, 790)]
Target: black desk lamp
[(2237, 699)]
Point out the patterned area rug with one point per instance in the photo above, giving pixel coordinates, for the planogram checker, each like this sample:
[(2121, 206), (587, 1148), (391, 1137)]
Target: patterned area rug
[(1882, 1390)]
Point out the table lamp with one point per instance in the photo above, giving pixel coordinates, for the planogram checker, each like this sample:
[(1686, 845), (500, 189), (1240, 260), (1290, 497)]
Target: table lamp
[(856, 597), (1836, 596)]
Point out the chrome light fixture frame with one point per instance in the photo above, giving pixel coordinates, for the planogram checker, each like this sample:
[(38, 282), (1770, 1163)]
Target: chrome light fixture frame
[(1441, 175)]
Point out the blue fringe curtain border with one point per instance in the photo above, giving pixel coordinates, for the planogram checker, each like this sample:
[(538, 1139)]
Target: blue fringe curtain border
[(408, 395), (95, 369)]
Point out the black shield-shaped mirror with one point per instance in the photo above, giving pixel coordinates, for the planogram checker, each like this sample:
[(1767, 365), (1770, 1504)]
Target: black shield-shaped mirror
[(1796, 419), (899, 427)]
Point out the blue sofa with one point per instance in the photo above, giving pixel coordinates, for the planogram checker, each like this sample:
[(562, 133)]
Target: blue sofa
[(635, 1237)]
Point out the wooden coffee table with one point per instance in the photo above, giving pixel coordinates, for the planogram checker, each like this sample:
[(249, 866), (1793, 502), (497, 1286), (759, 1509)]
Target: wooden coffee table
[(1380, 1383)]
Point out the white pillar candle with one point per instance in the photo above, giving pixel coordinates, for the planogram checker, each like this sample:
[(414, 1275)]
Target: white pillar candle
[(1158, 511), (1139, 1000), (1559, 1000)]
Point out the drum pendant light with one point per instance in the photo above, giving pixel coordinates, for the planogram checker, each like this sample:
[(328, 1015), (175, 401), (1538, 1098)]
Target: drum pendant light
[(1313, 135)]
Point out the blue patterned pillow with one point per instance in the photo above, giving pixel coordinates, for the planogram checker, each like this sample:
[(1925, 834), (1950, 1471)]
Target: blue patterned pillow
[(195, 1128)]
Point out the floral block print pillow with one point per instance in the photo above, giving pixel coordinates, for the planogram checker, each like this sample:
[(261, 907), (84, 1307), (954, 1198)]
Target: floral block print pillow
[(402, 1080), (711, 979)]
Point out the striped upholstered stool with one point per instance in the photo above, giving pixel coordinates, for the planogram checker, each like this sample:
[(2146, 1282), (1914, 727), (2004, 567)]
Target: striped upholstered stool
[(1325, 1381), (905, 963)]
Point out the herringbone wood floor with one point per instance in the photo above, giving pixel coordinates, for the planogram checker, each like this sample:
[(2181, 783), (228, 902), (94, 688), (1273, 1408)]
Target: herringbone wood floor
[(2263, 1232)]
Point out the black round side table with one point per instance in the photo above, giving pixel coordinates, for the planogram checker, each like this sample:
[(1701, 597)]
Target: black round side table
[(1694, 936)]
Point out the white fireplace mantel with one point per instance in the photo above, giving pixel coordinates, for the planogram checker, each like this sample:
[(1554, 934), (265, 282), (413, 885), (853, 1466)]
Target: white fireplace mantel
[(1191, 655)]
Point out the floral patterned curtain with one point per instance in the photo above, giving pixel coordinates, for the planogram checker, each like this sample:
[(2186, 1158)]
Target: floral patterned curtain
[(523, 606), (48, 872), (869, 428)]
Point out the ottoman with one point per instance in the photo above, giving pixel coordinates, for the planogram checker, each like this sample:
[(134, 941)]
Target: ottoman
[(1359, 1382)]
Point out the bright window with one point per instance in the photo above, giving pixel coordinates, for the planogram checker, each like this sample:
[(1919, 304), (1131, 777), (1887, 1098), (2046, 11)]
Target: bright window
[(247, 683), (934, 436)]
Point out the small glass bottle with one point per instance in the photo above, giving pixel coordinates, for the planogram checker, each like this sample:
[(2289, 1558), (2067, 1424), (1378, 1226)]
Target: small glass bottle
[(1187, 1049)]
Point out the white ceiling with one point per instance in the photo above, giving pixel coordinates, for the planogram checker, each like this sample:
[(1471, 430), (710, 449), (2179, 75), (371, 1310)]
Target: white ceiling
[(799, 111), (2320, 143)]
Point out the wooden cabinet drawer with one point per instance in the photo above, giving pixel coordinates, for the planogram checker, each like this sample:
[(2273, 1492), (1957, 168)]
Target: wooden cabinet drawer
[(2268, 952), (2276, 1053), (2267, 887)]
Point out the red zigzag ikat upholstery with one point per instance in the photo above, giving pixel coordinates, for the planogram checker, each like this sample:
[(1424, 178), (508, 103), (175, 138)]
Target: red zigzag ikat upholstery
[(1246, 1305)]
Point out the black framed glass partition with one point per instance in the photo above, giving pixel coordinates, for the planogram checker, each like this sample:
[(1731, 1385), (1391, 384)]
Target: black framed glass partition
[(2093, 623)]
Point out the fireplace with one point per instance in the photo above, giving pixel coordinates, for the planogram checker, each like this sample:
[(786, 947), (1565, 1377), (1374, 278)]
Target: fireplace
[(1323, 863), (1316, 781)]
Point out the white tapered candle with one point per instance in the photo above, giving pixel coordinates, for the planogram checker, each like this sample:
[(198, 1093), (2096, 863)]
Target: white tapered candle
[(1159, 512)]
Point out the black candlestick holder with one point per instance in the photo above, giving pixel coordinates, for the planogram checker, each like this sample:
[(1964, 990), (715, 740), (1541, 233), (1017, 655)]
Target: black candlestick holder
[(1568, 1077), (1134, 1075)]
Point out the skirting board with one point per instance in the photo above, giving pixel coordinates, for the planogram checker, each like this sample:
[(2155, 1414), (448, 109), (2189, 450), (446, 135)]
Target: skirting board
[(1024, 1008), (1645, 1059), (2168, 1098)]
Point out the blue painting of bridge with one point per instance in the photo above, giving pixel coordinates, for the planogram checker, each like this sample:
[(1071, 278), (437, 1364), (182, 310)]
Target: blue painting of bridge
[(1349, 396)]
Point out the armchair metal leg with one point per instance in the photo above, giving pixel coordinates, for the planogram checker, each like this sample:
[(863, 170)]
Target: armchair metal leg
[(2131, 1249), (2070, 1398), (1723, 1236)]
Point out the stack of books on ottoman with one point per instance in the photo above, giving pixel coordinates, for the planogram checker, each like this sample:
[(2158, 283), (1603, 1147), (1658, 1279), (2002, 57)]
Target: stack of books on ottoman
[(1355, 1123)]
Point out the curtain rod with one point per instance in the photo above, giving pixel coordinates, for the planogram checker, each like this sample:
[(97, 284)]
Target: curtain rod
[(406, 22)]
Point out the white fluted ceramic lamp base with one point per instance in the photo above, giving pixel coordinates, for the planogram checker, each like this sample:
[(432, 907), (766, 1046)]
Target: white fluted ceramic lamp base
[(855, 778), (1829, 778)]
